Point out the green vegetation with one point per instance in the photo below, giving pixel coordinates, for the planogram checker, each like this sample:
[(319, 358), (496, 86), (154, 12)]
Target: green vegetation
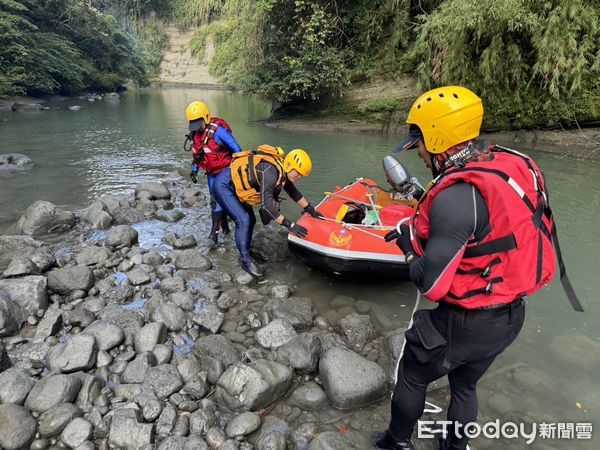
[(66, 46), (535, 63)]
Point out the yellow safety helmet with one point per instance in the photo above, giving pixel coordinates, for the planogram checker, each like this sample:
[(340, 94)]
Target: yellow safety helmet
[(445, 117), (298, 159), (196, 111)]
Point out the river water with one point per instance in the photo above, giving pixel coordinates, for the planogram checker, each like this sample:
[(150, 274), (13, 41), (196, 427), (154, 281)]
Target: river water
[(110, 147)]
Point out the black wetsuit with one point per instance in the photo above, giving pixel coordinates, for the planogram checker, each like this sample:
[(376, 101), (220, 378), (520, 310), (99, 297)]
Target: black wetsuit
[(450, 340), (270, 190)]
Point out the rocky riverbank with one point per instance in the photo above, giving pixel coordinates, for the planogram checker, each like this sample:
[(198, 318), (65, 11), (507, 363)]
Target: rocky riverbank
[(106, 343), (110, 339)]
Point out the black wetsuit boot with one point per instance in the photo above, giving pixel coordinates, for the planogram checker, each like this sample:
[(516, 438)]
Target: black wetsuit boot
[(216, 225), (225, 223), (385, 441)]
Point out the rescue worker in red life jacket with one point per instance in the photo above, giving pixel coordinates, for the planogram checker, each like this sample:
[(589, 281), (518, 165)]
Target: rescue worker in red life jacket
[(480, 240), (212, 147)]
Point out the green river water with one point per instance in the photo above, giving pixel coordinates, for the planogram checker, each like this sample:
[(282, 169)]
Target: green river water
[(108, 148)]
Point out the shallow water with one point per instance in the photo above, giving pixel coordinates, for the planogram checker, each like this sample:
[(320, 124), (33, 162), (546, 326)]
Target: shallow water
[(108, 148)]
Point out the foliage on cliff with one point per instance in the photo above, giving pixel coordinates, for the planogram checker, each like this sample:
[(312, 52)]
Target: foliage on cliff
[(535, 63), (65, 46)]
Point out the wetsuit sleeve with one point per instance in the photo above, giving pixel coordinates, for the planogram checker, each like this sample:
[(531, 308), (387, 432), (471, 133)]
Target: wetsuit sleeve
[(224, 137), (267, 178), (457, 214), (291, 190)]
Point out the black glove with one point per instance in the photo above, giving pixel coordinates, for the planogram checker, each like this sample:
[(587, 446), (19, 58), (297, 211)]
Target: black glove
[(402, 239), (194, 177), (310, 209), (294, 228)]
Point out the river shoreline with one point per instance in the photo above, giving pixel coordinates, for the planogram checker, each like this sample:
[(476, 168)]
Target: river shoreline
[(581, 143)]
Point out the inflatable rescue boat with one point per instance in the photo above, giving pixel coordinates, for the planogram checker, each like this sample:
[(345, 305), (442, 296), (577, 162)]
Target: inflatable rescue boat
[(350, 239)]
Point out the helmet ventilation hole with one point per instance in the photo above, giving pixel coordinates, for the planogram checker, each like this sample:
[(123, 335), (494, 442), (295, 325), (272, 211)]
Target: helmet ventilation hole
[(455, 96)]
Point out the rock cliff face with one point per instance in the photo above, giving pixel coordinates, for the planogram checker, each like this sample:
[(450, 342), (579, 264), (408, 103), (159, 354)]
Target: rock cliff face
[(179, 66)]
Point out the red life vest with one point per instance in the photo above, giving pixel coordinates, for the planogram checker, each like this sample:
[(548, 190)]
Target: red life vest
[(209, 155), (516, 257)]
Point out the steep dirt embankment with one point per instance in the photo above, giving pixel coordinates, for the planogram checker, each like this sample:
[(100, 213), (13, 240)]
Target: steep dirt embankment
[(179, 66)]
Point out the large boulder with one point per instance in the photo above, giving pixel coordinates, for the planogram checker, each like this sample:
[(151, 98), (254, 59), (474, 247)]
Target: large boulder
[(121, 236), (275, 334), (245, 387), (67, 280), (20, 267), (298, 311), (14, 161), (16, 245), (15, 384), (11, 315), (351, 380), (191, 259), (53, 390), (28, 292), (217, 347), (26, 107), (17, 427), (155, 191), (270, 244), (301, 353), (43, 217), (78, 353)]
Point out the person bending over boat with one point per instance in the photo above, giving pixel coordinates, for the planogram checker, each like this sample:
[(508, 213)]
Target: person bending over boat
[(212, 148), (480, 240), (257, 177)]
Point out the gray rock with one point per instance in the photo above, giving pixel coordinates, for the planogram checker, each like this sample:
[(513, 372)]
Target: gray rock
[(51, 391), (197, 386), (270, 244), (204, 418), (351, 380), (151, 406), (169, 215), (35, 352), (78, 317), (5, 361), (49, 325), (172, 316), (28, 292), (126, 432), (182, 299), (213, 368), (125, 215), (42, 218), (15, 246), (230, 444), (244, 278), (163, 380), (97, 217), (108, 335), (341, 301), (243, 424), (192, 195), (217, 347), (172, 285), (166, 421), (118, 294), (298, 311), (334, 440), (121, 236), (10, 162), (77, 353), (43, 259), (54, 421), (184, 242), (21, 266), (92, 255), (393, 346), (252, 386), (191, 259), (152, 258), (17, 427), (149, 336), (26, 107), (91, 387), (15, 385), (157, 191), (76, 432), (138, 277), (193, 442), (275, 334), (163, 353), (74, 107), (309, 397), (357, 330), (273, 440), (280, 291), (215, 437), (301, 353), (136, 370), (11, 316), (209, 316), (70, 279), (111, 97)]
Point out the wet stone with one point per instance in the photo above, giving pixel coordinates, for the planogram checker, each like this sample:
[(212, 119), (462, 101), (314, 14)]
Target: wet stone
[(184, 242), (78, 353), (15, 385), (21, 266), (275, 334), (301, 353), (357, 330), (107, 335), (164, 380), (69, 279), (138, 277), (51, 391), (17, 427), (243, 424), (298, 311), (172, 285), (149, 336), (76, 432), (171, 215), (209, 316), (215, 437), (309, 396), (217, 347), (53, 422)]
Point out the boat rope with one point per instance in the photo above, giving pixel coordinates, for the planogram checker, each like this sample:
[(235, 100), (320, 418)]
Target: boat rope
[(360, 227)]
